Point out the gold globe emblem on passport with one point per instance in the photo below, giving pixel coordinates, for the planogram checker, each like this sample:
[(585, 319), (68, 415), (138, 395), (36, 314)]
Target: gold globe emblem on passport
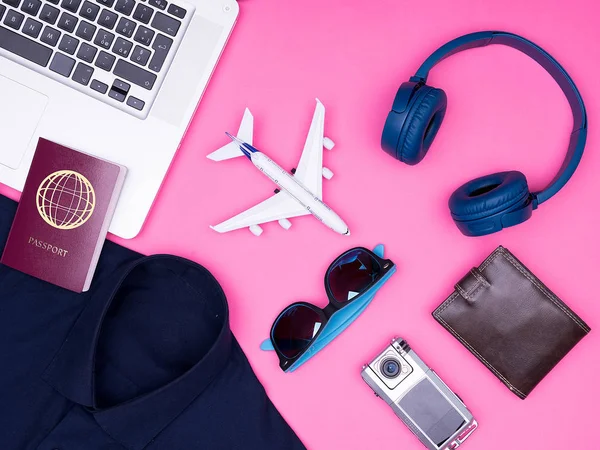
[(65, 199)]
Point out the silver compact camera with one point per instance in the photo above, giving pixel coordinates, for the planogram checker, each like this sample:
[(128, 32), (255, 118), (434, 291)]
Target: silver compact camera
[(435, 414)]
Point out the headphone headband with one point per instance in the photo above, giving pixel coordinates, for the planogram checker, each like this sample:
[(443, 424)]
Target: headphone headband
[(544, 59)]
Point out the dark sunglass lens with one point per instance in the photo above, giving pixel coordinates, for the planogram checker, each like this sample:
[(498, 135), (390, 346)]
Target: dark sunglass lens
[(295, 329), (352, 274)]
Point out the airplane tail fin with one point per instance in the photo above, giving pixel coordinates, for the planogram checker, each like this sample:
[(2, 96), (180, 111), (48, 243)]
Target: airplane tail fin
[(232, 150)]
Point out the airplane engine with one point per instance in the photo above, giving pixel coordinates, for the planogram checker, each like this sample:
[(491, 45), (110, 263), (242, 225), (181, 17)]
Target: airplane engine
[(285, 224), (256, 230), (328, 143), (327, 173)]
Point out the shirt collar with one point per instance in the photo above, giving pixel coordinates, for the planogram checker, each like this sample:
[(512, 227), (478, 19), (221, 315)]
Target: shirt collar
[(136, 422)]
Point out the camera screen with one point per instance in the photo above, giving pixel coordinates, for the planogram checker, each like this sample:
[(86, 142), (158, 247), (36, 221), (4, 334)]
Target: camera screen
[(430, 410)]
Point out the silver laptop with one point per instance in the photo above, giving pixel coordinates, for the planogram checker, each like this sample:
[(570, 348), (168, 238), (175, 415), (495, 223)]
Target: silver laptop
[(119, 79)]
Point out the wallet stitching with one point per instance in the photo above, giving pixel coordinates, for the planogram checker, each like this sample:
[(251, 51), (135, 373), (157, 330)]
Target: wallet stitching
[(481, 282), (473, 288), (451, 299), (479, 356), (462, 292), (476, 291), (469, 295), (480, 277), (479, 287), (544, 291)]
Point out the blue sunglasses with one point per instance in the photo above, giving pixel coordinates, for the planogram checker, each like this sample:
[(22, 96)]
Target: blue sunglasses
[(302, 329)]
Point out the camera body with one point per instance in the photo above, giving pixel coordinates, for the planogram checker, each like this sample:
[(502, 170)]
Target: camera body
[(435, 414)]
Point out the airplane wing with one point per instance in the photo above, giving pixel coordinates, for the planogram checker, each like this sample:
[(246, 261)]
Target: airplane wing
[(310, 168), (279, 206), (232, 150)]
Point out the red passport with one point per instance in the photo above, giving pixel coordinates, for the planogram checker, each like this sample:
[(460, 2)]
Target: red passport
[(63, 216)]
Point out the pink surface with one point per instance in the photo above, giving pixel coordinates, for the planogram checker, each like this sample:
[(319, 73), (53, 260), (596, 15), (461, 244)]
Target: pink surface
[(504, 113)]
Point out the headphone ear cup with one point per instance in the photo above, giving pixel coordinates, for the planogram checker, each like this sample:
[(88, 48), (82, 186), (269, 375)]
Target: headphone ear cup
[(488, 195), (423, 120)]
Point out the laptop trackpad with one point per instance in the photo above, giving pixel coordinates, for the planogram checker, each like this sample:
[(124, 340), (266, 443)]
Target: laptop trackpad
[(20, 112)]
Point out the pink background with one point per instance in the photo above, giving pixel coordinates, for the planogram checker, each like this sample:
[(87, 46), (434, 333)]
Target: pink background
[(504, 113)]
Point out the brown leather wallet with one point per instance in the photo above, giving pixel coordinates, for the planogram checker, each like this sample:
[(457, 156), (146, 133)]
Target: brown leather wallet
[(510, 321)]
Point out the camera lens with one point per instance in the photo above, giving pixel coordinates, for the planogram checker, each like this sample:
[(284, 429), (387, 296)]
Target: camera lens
[(390, 368)]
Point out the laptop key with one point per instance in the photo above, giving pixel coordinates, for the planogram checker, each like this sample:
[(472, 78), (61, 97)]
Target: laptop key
[(122, 47), (24, 47), (50, 36), (89, 11), (31, 6), (118, 96), (68, 44), (125, 27), (107, 19), (62, 64), (140, 55), (160, 4), (99, 86), (143, 35), (13, 3), (161, 46), (134, 74), (121, 86), (119, 90), (143, 13), (32, 27), (166, 24), (49, 14), (2, 10), (177, 11), (124, 6), (83, 74), (67, 22), (86, 52), (105, 61), (135, 103), (71, 5), (104, 39), (13, 19), (85, 30)]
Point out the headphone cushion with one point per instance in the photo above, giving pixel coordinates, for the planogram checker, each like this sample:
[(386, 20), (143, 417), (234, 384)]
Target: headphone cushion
[(488, 195), (422, 123)]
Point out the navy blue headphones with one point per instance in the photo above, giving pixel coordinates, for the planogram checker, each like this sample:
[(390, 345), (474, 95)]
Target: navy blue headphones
[(490, 203)]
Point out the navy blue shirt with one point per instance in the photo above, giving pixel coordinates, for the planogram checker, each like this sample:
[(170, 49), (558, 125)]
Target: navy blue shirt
[(144, 360)]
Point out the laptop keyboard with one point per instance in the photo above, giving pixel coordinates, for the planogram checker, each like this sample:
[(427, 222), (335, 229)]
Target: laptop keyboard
[(117, 51)]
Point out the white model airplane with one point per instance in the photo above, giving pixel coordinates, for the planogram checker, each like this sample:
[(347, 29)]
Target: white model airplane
[(299, 194)]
